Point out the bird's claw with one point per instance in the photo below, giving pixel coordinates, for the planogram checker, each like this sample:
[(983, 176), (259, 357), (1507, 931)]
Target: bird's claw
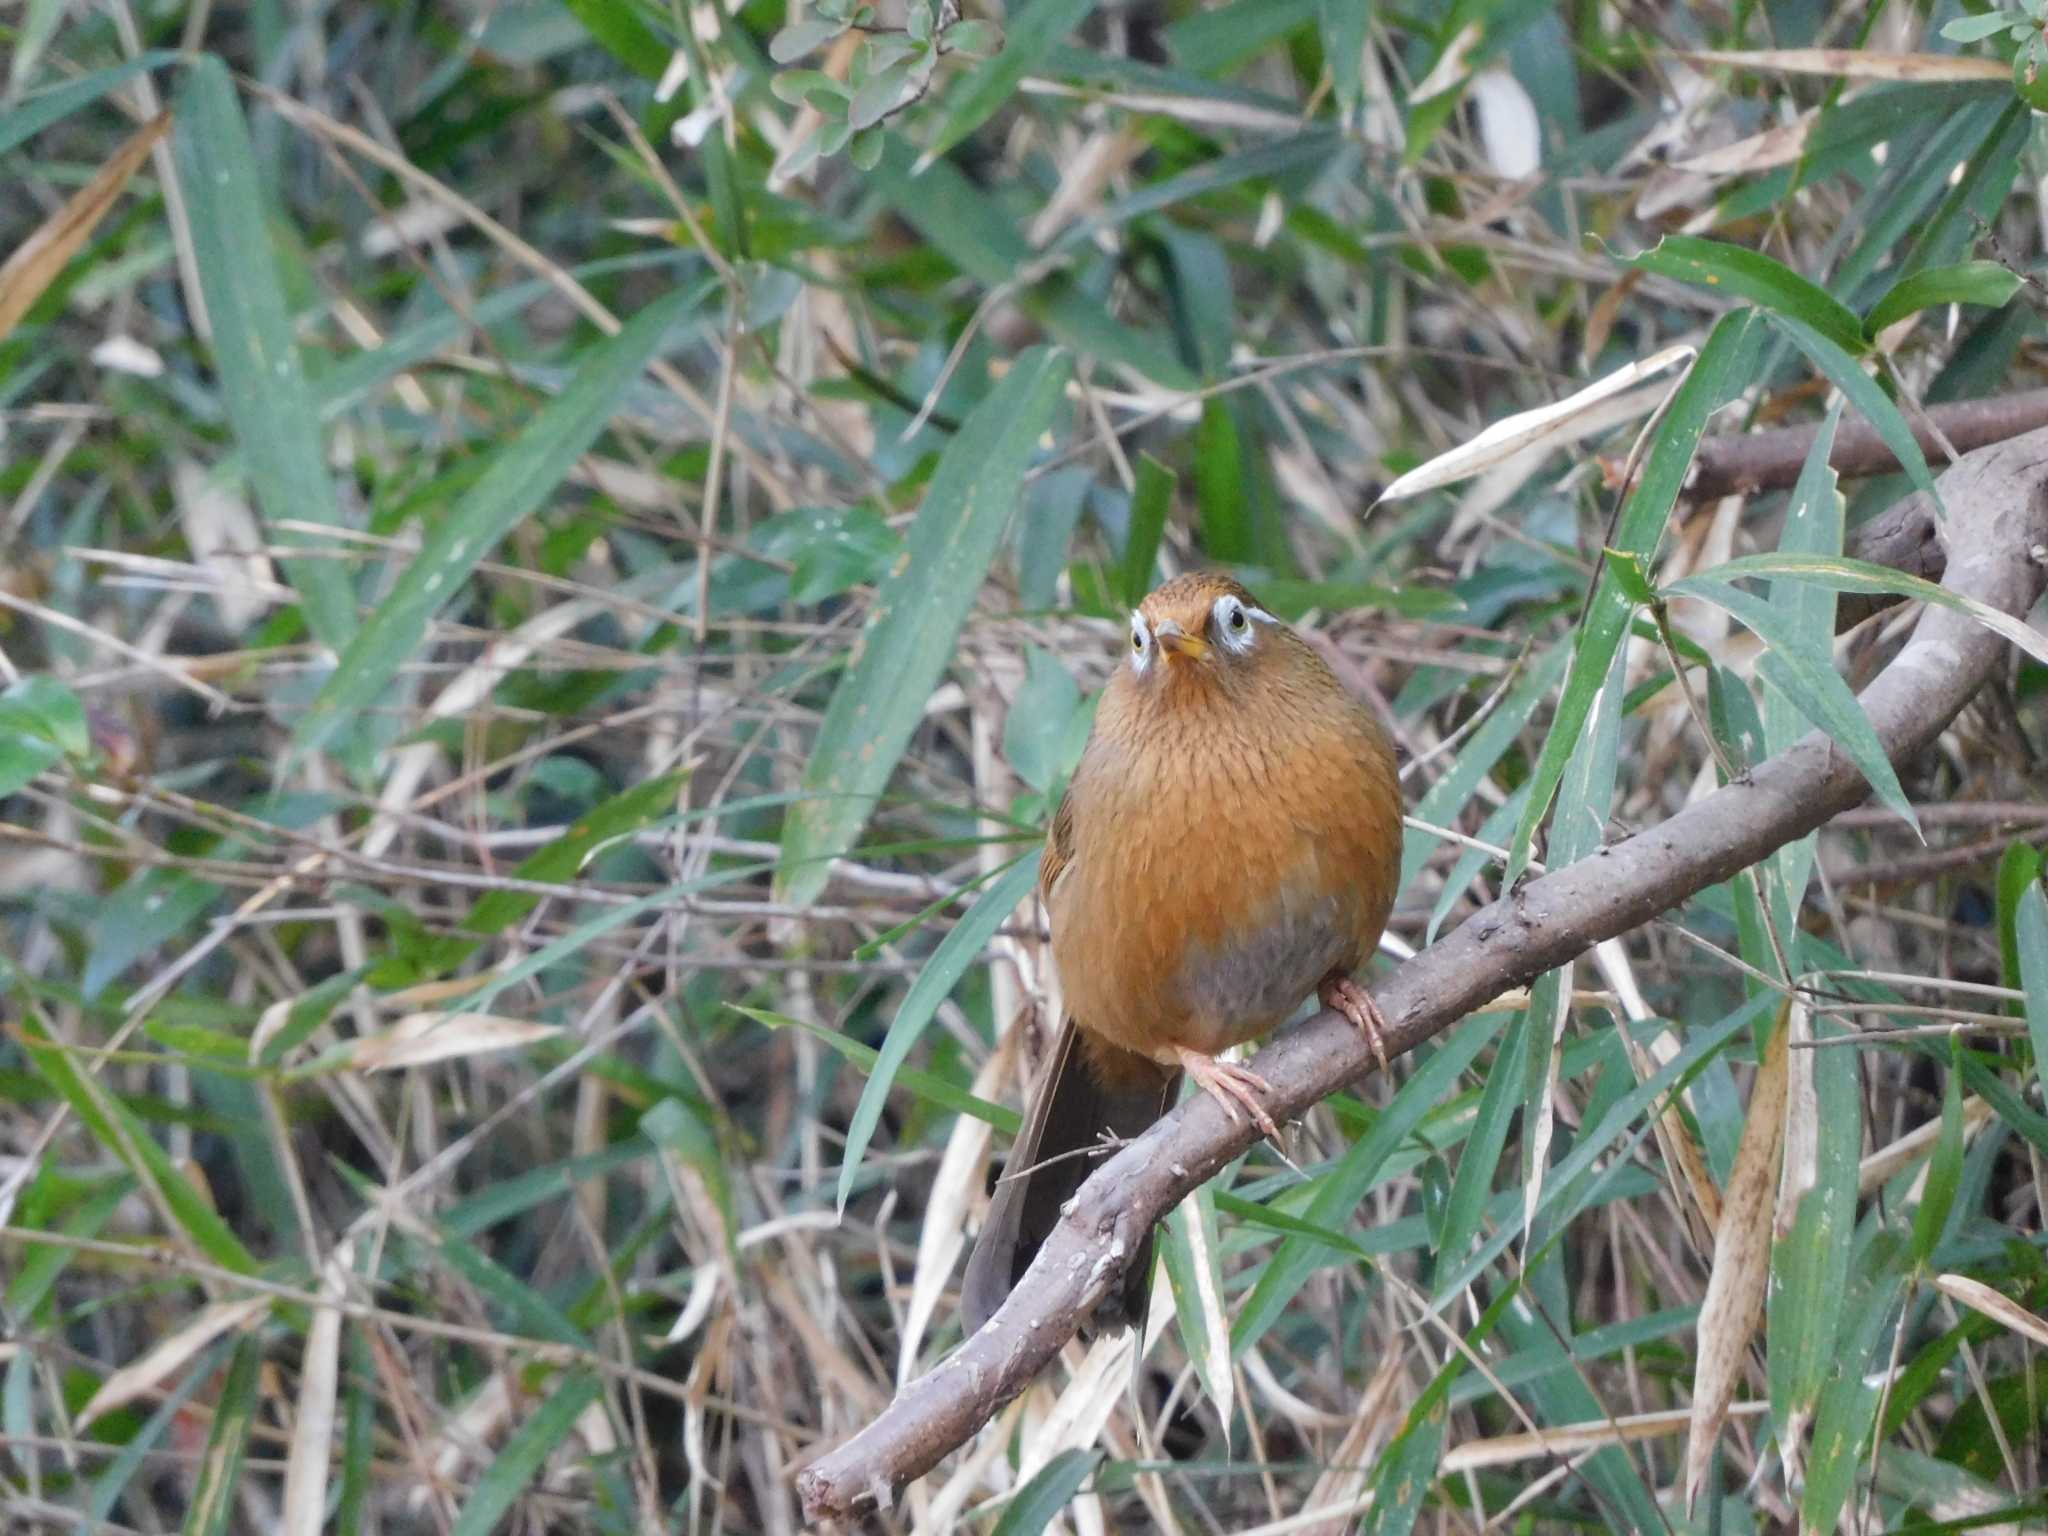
[(1356, 1004), (1232, 1086)]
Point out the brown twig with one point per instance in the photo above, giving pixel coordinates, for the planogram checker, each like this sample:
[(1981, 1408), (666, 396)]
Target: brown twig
[(1997, 553), (1766, 461)]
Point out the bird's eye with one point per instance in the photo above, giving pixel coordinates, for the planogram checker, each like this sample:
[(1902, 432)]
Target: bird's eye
[(1138, 641), (1238, 622)]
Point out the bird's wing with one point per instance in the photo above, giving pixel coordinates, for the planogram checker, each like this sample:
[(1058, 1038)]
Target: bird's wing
[(1059, 847)]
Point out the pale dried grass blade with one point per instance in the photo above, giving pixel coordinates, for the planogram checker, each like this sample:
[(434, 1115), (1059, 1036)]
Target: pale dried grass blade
[(1509, 129), (421, 1038), (142, 1376), (1215, 1326), (954, 1186), (1857, 64), (1452, 65), (1373, 1423), (1742, 1261), (1979, 1297), (1572, 1439), (1084, 1406), (1525, 429), (312, 1450), (1881, 1166), (1781, 145), (942, 1515), (29, 272), (226, 542), (1671, 1129)]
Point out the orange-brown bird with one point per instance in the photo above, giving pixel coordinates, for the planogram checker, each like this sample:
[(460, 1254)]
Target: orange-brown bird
[(1229, 844)]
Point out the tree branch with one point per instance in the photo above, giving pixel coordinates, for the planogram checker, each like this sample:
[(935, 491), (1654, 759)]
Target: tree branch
[(1997, 552), (1768, 461)]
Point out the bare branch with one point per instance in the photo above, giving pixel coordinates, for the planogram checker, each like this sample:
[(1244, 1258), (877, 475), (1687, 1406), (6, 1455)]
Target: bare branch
[(1768, 461), (1997, 552)]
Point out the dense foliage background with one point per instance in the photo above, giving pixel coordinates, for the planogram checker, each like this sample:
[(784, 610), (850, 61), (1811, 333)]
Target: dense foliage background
[(492, 494)]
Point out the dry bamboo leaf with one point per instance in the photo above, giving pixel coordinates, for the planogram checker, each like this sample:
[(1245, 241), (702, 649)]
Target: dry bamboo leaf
[(1854, 64), (1509, 130), (144, 1375), (1525, 429), (954, 1187), (1085, 175), (1979, 1297), (1350, 1467), (1214, 1324), (312, 1450), (29, 272), (226, 542), (1452, 65), (420, 1038), (1671, 1129), (1742, 1261), (1881, 1166), (1764, 151)]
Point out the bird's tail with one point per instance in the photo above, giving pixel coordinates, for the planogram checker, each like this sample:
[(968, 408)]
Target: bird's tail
[(1089, 1087)]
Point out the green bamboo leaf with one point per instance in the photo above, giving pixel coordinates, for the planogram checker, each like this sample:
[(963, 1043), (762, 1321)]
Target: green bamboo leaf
[(2018, 868), (1030, 32), (1813, 686), (1944, 1167), (974, 231), (685, 1131), (1407, 1472), (262, 382), (1967, 282), (530, 1446), (1878, 408), (220, 1472), (1847, 1409), (915, 622), (629, 812), (1812, 527), (1191, 1251), (518, 480), (1343, 25), (116, 1128), (2030, 933), (1734, 269), (619, 30), (1630, 575), (1720, 369), (960, 948), (1585, 800), (1221, 494), (1810, 1259), (1151, 502), (1035, 1504), (1339, 1192), (1846, 575), (33, 113)]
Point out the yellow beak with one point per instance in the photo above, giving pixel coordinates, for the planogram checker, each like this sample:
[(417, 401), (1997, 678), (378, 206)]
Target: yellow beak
[(1175, 643)]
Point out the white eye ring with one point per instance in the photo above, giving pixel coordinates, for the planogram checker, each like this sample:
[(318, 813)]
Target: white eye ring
[(1141, 642), (1233, 623)]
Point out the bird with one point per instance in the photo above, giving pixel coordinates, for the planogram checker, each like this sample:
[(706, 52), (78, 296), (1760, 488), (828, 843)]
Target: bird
[(1228, 844)]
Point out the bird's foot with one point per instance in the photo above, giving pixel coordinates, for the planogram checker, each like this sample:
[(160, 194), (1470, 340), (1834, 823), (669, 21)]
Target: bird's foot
[(1233, 1087), (1356, 1004)]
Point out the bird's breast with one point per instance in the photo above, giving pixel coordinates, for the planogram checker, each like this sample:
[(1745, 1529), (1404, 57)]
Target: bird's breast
[(1209, 894)]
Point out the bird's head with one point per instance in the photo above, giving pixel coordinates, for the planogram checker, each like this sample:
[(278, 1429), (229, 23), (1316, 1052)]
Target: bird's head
[(1200, 632)]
